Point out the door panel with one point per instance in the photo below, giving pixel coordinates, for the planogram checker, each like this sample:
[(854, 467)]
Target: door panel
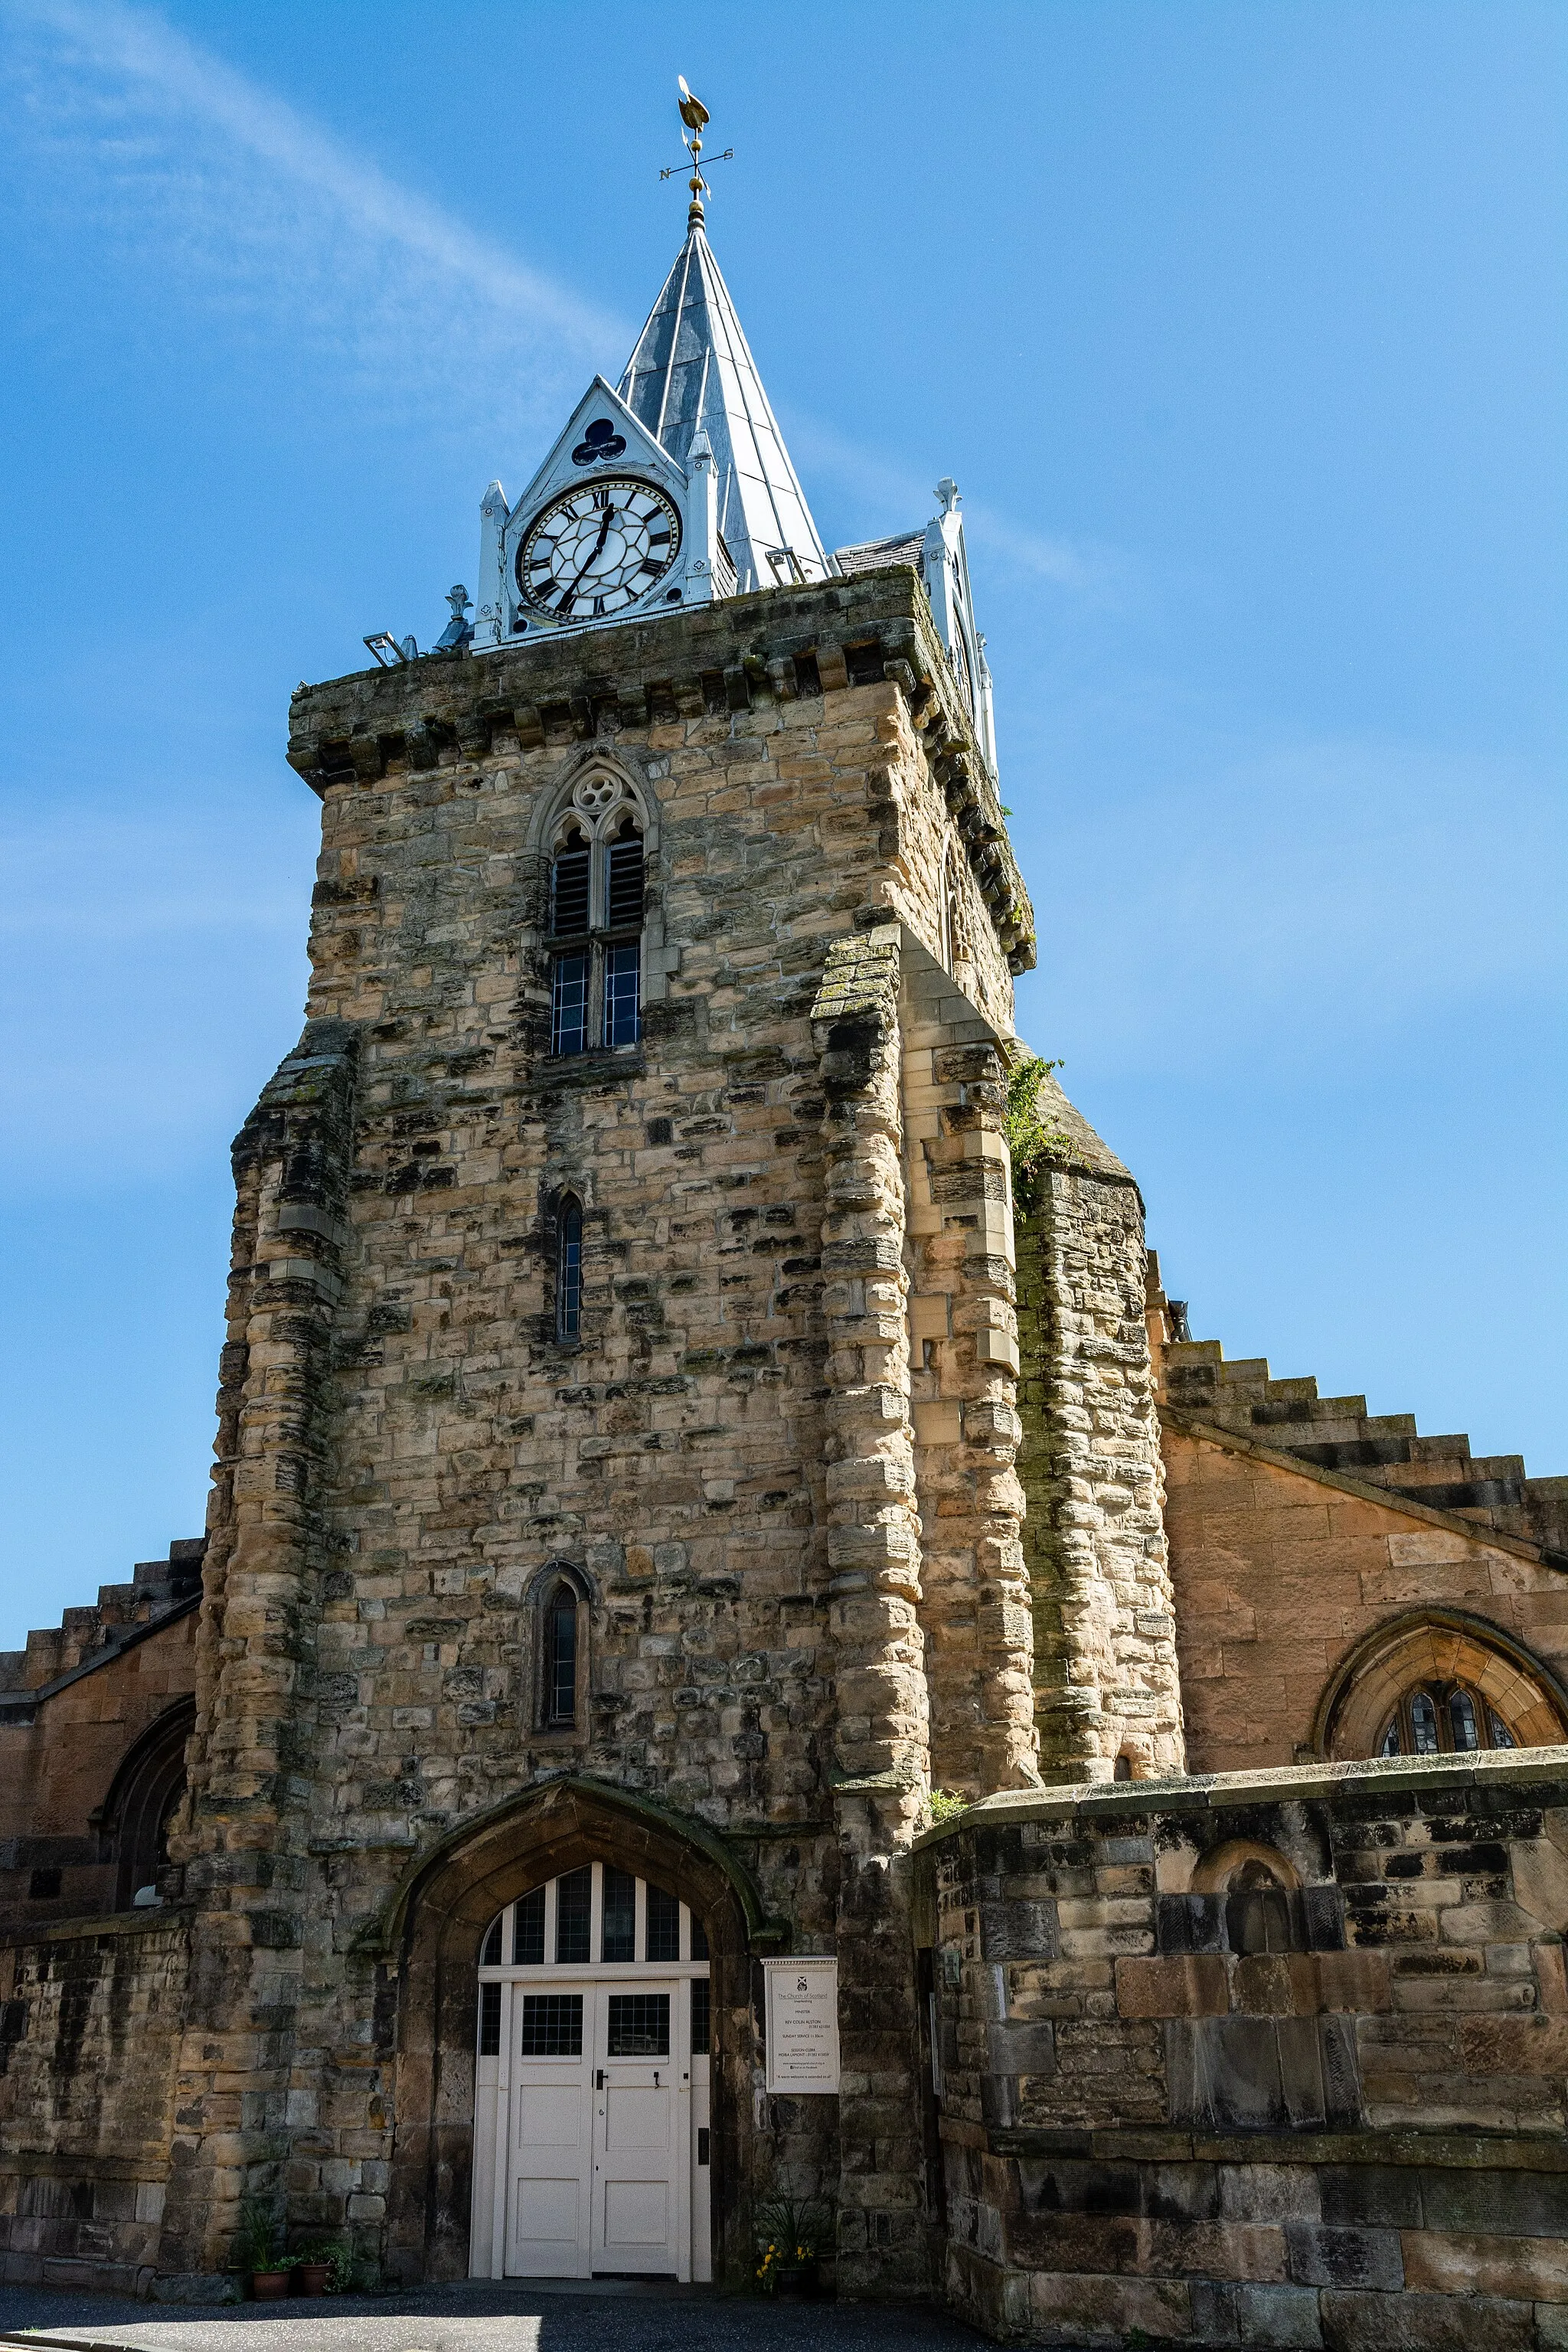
[(550, 2148), (639, 2209)]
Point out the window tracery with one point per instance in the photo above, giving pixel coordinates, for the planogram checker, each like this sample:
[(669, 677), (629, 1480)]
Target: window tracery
[(1438, 1681), (1443, 1719)]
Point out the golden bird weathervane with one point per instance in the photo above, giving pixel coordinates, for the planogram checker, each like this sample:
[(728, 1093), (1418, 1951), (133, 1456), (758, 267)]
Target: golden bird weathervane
[(694, 115)]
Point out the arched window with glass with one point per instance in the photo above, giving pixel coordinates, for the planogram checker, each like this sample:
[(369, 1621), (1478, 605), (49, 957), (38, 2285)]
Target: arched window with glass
[(569, 1267), (596, 890), (1443, 1718), (560, 1644)]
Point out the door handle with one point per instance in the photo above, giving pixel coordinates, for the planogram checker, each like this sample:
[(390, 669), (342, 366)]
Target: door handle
[(656, 2078)]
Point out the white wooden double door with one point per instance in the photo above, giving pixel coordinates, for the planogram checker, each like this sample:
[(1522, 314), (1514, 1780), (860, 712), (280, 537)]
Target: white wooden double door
[(591, 2125)]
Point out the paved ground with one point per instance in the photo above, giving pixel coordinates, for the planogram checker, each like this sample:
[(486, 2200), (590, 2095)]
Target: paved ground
[(604, 2318)]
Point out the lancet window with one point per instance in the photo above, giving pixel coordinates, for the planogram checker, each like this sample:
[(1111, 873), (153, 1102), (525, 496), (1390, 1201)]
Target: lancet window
[(596, 878), (569, 1268), (560, 1645)]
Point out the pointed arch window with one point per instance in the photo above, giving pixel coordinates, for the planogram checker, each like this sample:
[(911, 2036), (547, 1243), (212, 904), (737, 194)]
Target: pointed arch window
[(560, 1642), (561, 1657), (569, 1267), (596, 888)]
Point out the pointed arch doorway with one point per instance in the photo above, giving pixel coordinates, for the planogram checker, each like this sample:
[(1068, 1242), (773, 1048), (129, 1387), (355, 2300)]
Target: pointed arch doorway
[(434, 1939), (592, 2132)]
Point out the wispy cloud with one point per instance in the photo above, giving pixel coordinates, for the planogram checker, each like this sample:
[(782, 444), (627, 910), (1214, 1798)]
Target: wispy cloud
[(206, 174), (891, 496)]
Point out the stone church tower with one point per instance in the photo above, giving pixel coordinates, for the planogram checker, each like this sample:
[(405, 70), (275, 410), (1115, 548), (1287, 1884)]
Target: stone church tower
[(620, 1406), (700, 1540)]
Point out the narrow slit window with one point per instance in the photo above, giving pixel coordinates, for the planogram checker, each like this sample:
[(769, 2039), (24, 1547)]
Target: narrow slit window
[(701, 2016), (561, 1657), (1462, 1722), (569, 1269), (490, 2020)]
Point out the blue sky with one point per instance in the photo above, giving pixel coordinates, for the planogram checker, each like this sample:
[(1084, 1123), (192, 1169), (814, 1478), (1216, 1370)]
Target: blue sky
[(1242, 329)]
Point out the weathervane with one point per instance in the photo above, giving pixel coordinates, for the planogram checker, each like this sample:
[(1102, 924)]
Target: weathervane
[(694, 114)]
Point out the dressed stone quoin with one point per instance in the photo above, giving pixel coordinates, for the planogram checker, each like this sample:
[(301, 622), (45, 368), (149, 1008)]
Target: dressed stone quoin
[(752, 1707)]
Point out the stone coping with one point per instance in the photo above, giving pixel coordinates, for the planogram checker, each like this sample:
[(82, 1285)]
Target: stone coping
[(88, 1924), (1466, 2151), (1193, 1792)]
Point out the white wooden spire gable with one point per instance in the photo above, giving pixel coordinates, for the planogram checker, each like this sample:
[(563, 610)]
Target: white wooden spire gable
[(692, 370)]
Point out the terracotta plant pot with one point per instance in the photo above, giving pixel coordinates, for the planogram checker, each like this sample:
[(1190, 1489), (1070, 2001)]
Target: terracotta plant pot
[(269, 2286), (312, 2278), (797, 2283)]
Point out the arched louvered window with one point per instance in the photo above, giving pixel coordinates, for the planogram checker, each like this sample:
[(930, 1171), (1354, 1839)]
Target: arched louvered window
[(596, 924), (569, 1268)]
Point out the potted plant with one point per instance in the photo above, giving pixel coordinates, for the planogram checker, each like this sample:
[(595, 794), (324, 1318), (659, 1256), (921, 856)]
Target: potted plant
[(313, 2272), (255, 2250), (790, 2234)]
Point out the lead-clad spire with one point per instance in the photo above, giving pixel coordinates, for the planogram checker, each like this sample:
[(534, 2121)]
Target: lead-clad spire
[(693, 368)]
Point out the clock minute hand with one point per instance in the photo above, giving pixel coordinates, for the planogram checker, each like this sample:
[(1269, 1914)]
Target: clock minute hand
[(594, 558)]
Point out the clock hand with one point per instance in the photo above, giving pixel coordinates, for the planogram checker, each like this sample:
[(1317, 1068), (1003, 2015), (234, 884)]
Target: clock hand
[(598, 551)]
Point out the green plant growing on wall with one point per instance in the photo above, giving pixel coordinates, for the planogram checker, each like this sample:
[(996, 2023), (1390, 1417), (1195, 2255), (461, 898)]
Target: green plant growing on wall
[(943, 1806), (1030, 1140)]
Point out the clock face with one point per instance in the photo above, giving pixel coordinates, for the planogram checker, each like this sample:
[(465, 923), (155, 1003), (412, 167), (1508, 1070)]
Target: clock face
[(597, 549)]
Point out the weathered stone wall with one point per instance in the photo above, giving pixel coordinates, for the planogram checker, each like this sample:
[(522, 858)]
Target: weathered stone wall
[(93, 1687), (723, 1459), (1279, 1571), (91, 2015), (1276, 2060), (964, 1354), (1108, 1694)]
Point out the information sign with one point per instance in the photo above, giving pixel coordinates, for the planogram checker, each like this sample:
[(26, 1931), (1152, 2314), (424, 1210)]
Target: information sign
[(803, 2024)]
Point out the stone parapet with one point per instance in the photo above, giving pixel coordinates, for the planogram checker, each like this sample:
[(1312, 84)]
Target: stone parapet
[(1270, 2057)]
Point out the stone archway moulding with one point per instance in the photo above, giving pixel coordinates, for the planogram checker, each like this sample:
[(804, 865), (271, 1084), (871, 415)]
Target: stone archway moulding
[(1444, 1644), (429, 1940)]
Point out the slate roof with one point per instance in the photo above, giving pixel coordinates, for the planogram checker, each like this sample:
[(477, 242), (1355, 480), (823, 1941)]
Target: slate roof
[(904, 547), (691, 365)]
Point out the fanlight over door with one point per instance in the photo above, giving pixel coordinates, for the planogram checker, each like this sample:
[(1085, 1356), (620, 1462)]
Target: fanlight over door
[(591, 2123)]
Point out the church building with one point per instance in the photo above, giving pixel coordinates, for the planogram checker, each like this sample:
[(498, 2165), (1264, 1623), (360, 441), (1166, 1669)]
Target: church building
[(741, 1648)]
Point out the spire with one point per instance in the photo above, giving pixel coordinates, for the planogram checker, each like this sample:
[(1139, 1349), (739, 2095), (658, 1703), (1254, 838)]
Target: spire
[(693, 368)]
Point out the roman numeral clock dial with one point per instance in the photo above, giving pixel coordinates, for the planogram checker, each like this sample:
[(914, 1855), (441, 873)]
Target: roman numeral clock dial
[(598, 550)]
